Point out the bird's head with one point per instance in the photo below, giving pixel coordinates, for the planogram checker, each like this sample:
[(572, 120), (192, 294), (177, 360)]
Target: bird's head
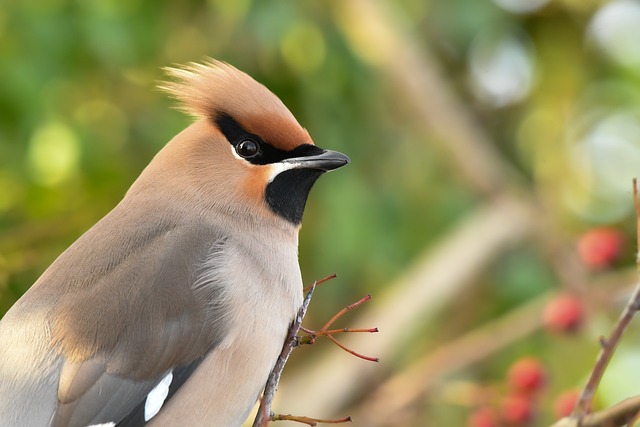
[(245, 154)]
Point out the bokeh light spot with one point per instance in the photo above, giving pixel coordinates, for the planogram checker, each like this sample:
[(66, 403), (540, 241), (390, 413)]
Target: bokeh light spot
[(615, 29), (604, 160), (53, 153), (501, 69)]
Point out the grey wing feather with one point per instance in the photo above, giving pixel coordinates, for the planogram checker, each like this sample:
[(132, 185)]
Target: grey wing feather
[(136, 417), (88, 394), (107, 399), (104, 343)]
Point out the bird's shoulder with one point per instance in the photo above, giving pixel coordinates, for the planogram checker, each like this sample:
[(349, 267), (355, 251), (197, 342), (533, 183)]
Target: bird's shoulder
[(155, 310)]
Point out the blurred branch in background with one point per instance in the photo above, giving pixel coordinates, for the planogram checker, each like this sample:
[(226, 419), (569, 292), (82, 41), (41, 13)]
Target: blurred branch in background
[(375, 36)]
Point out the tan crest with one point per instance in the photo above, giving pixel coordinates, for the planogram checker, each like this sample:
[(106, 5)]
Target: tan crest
[(213, 87)]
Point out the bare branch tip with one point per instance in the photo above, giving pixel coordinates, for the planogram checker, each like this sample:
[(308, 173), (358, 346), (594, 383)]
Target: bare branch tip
[(326, 279), (603, 342), (321, 281)]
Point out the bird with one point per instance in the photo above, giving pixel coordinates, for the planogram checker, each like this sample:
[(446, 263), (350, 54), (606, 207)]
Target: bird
[(173, 308)]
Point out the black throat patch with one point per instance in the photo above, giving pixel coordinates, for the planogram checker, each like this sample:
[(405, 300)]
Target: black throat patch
[(287, 194)]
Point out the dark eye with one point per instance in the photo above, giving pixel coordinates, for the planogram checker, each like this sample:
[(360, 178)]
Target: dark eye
[(247, 148)]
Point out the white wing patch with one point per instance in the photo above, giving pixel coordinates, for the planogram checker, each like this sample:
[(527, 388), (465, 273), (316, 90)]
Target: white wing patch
[(103, 425), (156, 397)]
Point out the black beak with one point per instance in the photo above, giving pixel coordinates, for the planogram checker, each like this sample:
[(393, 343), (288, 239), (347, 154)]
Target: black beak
[(326, 161)]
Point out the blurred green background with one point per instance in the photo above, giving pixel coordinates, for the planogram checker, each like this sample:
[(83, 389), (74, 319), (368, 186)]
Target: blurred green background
[(486, 138)]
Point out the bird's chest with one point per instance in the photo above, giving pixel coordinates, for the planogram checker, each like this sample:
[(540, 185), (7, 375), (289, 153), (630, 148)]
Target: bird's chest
[(262, 292), (261, 288)]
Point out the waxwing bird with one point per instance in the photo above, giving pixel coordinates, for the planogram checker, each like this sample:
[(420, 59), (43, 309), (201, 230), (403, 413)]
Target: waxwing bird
[(172, 309)]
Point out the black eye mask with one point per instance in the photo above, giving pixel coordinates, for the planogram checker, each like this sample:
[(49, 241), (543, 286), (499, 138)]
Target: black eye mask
[(266, 153)]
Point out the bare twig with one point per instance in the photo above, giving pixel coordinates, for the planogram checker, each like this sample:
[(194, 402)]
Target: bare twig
[(311, 338), (320, 282), (307, 420), (583, 406), (326, 332), (348, 350), (344, 310), (264, 411), (338, 331), (620, 414)]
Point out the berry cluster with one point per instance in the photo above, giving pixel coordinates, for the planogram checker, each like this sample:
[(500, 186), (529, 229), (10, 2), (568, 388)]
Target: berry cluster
[(598, 249), (525, 380)]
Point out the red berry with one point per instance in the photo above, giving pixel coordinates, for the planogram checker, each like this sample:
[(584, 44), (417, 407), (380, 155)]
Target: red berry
[(517, 410), (526, 375), (599, 247), (482, 417), (564, 313), (565, 402)]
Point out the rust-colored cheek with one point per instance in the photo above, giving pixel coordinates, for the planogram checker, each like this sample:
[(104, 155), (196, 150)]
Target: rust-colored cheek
[(255, 182)]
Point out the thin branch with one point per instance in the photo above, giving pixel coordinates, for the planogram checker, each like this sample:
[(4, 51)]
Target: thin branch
[(311, 338), (620, 414), (583, 405), (346, 330), (307, 420), (320, 282), (344, 310), (264, 411), (348, 350)]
